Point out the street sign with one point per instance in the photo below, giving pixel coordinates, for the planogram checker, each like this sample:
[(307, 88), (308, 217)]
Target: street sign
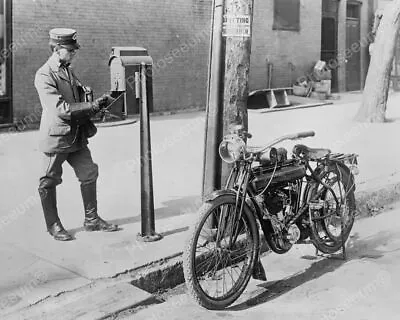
[(236, 25)]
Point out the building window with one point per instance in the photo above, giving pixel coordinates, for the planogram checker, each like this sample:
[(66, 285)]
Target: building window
[(6, 115), (353, 10), (2, 49), (286, 15)]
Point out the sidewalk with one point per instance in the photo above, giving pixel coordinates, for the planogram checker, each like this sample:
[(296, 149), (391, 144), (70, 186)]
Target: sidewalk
[(34, 266)]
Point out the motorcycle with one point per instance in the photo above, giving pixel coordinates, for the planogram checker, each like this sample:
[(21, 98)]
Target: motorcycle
[(306, 197)]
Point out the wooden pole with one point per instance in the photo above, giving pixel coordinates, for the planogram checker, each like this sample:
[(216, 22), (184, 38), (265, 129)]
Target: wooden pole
[(237, 28), (228, 88)]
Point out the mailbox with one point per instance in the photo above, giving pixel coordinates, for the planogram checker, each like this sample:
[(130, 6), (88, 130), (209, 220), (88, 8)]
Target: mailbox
[(124, 66)]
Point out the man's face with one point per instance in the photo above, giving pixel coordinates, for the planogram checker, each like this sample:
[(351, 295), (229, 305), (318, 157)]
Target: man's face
[(66, 55)]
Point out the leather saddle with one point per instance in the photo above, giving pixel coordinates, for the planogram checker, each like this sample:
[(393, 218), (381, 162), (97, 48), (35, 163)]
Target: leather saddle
[(302, 151)]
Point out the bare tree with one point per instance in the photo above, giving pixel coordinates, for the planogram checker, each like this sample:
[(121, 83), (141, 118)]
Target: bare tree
[(373, 106)]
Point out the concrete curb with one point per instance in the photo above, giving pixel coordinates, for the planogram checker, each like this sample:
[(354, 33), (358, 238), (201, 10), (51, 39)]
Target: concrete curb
[(371, 202), (159, 275)]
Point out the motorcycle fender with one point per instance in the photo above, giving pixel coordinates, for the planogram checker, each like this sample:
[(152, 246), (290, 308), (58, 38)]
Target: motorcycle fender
[(218, 193), (345, 168)]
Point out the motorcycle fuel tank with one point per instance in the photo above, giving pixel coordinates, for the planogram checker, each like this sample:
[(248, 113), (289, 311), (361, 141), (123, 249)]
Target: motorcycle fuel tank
[(282, 174)]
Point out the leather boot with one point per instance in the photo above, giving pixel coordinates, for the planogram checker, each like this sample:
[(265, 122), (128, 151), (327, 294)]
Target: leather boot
[(53, 223), (92, 220)]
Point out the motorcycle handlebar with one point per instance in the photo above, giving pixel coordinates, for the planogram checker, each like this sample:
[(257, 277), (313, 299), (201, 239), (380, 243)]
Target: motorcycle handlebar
[(294, 136), (304, 134)]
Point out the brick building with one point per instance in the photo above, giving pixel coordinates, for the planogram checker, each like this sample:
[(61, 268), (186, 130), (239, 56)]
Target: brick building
[(288, 37), (176, 34)]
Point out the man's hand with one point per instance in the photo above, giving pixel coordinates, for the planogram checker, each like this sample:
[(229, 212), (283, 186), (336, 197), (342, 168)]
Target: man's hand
[(100, 103)]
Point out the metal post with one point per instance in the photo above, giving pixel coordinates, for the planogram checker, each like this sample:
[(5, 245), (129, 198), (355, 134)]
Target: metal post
[(213, 134), (146, 176)]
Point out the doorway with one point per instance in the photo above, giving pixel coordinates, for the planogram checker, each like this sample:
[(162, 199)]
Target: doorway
[(5, 63), (353, 60), (329, 31)]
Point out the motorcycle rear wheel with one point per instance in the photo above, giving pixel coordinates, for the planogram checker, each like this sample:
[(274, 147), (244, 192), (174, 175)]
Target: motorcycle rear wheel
[(331, 225), (216, 271)]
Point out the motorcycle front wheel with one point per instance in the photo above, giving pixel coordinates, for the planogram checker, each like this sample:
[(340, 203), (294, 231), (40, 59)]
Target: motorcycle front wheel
[(220, 253), (331, 224)]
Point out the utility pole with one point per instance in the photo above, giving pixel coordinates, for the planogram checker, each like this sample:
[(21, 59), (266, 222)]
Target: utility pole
[(214, 114), (238, 20), (228, 88)]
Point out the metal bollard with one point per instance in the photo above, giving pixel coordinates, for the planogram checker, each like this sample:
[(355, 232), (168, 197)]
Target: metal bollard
[(148, 233)]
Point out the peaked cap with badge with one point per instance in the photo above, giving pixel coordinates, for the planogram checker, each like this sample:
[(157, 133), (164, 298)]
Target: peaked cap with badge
[(64, 37)]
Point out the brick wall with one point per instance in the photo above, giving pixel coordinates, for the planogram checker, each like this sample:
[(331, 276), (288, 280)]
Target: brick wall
[(160, 26), (176, 34), (301, 48)]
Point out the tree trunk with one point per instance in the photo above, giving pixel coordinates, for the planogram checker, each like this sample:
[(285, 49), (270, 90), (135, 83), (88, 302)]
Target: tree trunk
[(237, 67), (237, 29), (373, 106)]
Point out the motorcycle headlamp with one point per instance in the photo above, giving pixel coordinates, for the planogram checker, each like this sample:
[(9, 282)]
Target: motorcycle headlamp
[(231, 148)]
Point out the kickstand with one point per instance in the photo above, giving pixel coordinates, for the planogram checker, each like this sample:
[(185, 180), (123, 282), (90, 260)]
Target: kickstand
[(319, 253), (342, 223), (259, 271), (344, 256), (344, 251)]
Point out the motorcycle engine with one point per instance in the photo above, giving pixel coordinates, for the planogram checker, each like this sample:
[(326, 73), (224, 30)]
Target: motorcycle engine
[(280, 204), (281, 201)]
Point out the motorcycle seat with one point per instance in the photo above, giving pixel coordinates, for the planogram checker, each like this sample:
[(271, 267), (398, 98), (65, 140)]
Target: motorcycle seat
[(302, 151)]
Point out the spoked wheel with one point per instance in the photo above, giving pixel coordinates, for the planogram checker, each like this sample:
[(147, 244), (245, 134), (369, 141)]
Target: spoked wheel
[(220, 253), (331, 221)]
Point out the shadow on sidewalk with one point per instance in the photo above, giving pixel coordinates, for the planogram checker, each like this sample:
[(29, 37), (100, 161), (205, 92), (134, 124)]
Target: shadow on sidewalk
[(171, 208), (392, 119), (358, 249), (171, 232), (178, 207)]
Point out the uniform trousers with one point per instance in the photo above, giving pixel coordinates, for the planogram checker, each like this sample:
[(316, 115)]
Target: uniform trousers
[(81, 161)]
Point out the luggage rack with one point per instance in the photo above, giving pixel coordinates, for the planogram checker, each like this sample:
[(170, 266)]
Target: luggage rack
[(350, 158)]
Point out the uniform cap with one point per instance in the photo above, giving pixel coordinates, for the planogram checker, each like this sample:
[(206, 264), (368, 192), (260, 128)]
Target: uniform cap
[(64, 37)]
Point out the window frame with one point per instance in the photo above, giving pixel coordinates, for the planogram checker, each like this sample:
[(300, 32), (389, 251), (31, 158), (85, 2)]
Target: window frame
[(293, 25)]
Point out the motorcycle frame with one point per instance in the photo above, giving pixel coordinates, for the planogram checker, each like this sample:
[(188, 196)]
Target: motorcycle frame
[(238, 185)]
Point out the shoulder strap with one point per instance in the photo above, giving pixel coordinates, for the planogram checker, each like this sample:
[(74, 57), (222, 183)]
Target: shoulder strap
[(76, 78)]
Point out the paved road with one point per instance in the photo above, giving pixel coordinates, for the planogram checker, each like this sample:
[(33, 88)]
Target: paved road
[(303, 286)]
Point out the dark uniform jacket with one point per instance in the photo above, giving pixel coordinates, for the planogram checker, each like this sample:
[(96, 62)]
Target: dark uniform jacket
[(65, 124)]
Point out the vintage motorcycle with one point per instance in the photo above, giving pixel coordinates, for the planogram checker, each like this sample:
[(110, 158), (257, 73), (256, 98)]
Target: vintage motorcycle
[(306, 197)]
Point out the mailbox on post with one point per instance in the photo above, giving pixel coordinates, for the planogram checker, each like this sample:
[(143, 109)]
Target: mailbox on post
[(131, 79), (125, 64)]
